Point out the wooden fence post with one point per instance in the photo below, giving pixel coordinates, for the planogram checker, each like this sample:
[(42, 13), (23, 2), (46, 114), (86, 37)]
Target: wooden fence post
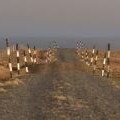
[(83, 50), (86, 56), (108, 61), (77, 49), (34, 55), (26, 64), (92, 58), (95, 62), (48, 55), (18, 58), (9, 57), (30, 53), (104, 63)]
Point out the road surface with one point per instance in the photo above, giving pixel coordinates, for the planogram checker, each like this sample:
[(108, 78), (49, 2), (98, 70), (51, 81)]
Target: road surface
[(61, 91)]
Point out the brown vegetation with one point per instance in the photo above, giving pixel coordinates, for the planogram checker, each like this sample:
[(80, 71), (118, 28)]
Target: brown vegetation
[(42, 58), (114, 62)]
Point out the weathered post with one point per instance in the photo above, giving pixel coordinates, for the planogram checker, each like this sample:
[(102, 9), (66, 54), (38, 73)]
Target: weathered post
[(9, 57), (26, 64), (92, 58), (18, 58), (86, 56), (83, 50), (104, 63), (30, 53), (108, 61), (82, 55), (95, 62), (34, 55), (77, 49)]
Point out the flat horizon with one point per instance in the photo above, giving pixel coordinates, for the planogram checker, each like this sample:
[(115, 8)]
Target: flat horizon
[(65, 42)]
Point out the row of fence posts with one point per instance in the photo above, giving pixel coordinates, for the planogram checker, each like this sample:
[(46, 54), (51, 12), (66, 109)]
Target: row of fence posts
[(9, 57), (95, 62), (33, 58), (81, 51), (51, 50), (91, 58), (26, 64), (18, 58), (33, 55)]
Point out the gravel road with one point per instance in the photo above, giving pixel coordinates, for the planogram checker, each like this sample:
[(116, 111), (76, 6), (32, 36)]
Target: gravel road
[(60, 91)]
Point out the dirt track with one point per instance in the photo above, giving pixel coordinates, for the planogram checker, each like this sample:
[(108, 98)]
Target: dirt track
[(61, 91)]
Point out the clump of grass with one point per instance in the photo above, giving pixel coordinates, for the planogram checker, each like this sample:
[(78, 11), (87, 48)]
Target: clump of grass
[(4, 73), (60, 98), (2, 90)]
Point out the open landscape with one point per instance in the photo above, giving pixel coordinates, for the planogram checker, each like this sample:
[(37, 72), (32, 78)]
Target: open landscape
[(59, 59), (62, 87)]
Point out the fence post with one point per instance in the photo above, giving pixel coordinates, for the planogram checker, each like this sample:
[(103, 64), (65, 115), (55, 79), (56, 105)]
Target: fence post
[(9, 58), (50, 52), (83, 50), (86, 56), (77, 49), (34, 55), (108, 61), (30, 53), (95, 62), (18, 58), (82, 53), (10, 67), (104, 63), (26, 65), (14, 48), (92, 58)]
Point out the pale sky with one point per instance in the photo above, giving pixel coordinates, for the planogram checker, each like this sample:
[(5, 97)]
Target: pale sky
[(85, 18)]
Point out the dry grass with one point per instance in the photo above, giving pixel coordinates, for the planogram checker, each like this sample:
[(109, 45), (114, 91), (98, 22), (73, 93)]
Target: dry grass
[(5, 84), (60, 98), (4, 73), (4, 70), (77, 103), (14, 82), (114, 62), (2, 90)]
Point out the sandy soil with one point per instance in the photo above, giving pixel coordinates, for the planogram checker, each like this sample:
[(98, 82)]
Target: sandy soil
[(60, 91)]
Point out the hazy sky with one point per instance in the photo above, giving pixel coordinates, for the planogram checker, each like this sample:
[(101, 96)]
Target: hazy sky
[(85, 18)]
